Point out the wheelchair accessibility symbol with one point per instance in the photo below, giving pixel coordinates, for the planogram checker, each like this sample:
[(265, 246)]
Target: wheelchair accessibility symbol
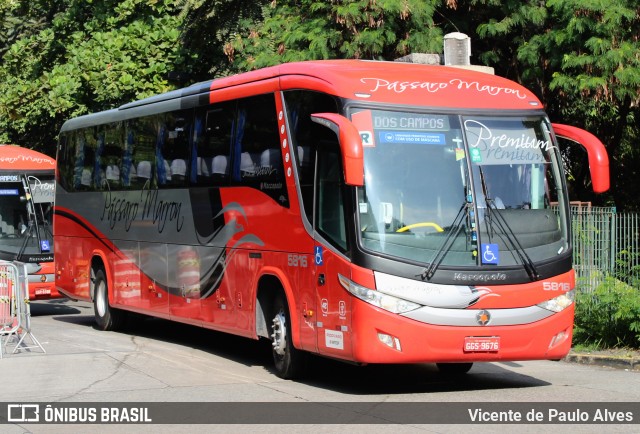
[(317, 253), (490, 254)]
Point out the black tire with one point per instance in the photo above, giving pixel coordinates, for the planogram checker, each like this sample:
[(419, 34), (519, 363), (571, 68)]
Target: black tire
[(290, 363), (454, 368), (107, 318)]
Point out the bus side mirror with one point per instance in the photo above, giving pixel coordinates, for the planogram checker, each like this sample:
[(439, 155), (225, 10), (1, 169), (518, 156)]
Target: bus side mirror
[(350, 145), (598, 158)]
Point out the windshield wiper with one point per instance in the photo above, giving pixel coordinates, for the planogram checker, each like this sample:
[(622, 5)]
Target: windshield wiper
[(455, 229), (33, 228), (511, 238)]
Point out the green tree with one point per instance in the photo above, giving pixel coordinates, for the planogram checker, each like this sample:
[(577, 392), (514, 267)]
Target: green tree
[(92, 56), (61, 58), (208, 25), (314, 29), (19, 19), (582, 59)]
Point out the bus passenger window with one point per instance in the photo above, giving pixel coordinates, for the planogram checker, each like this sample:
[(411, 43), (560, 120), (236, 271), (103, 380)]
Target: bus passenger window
[(174, 148), (305, 136), (258, 148), (212, 135), (111, 155), (85, 159), (143, 136)]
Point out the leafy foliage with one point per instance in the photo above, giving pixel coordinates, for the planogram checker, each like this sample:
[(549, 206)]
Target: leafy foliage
[(581, 58), (208, 25), (92, 56), (312, 29), (608, 316)]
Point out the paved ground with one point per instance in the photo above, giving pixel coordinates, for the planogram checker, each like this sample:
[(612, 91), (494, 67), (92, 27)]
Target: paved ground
[(161, 361)]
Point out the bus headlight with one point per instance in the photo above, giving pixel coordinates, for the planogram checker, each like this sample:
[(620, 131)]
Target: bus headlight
[(377, 298), (560, 302)]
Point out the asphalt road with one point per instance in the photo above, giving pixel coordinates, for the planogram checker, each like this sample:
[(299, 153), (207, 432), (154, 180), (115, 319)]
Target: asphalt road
[(159, 361)]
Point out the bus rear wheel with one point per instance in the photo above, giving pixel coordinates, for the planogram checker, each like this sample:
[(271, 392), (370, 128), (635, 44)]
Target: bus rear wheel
[(107, 318), (289, 362), (454, 368)]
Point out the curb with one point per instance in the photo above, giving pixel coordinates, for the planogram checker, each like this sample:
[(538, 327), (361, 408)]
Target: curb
[(618, 362)]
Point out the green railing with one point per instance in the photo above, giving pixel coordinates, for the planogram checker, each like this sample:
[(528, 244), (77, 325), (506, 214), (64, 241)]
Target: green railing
[(605, 244)]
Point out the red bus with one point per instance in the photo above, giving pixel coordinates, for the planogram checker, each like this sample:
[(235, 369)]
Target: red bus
[(371, 212), (26, 210)]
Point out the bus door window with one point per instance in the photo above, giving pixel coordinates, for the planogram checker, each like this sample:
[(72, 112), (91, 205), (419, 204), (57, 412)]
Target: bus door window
[(330, 212), (334, 303), (211, 156)]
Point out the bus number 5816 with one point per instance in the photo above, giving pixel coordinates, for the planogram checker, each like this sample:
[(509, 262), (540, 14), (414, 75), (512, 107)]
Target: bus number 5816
[(297, 260)]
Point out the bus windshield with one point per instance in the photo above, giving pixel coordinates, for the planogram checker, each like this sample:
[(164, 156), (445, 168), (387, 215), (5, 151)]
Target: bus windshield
[(460, 190), (26, 218)]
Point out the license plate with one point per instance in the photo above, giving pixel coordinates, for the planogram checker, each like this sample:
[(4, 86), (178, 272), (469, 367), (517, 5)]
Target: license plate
[(43, 291), (481, 344)]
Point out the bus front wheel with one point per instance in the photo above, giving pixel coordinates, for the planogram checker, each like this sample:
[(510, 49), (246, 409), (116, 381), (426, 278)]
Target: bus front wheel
[(289, 362), (107, 318)]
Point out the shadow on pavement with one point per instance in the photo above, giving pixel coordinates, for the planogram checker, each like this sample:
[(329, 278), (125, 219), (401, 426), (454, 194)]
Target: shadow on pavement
[(61, 306), (324, 373)]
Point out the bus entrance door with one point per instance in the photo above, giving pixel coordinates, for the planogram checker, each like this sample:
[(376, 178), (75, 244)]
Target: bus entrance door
[(334, 305)]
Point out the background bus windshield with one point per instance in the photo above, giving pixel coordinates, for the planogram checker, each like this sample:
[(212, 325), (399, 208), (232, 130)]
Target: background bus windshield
[(25, 218)]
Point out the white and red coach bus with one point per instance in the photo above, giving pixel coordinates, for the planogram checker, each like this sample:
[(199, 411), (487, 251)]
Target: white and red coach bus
[(26, 210), (372, 212)]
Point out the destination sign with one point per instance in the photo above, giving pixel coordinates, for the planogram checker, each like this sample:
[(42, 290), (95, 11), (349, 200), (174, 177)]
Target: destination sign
[(411, 137), (410, 121)]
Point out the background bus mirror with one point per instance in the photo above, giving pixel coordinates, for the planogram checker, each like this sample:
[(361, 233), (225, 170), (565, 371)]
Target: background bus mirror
[(598, 158), (350, 145)]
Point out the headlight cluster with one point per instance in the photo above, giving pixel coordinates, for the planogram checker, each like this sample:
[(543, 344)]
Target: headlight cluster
[(377, 298), (560, 302)]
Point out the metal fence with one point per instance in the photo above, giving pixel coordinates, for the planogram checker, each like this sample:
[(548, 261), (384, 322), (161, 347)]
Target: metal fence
[(15, 313), (605, 244)]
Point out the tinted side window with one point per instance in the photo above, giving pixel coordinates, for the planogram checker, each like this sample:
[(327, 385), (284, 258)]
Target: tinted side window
[(173, 148), (257, 151), (111, 155), (213, 132), (85, 154), (65, 160), (306, 135)]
